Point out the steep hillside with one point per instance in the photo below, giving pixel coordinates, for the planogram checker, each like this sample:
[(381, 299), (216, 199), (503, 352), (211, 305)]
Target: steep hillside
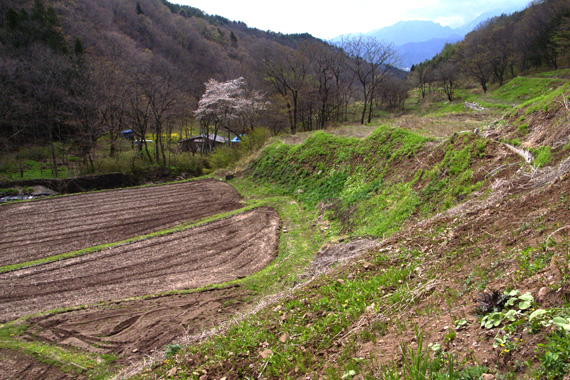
[(76, 74), (199, 45), (447, 257), (409, 252)]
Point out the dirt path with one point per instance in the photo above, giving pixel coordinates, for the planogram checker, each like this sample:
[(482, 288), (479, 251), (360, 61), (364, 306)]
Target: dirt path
[(220, 251), (32, 230)]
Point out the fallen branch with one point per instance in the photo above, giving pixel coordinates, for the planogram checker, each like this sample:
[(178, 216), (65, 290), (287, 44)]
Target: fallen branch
[(558, 230)]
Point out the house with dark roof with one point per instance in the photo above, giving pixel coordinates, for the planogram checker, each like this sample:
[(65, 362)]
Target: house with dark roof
[(202, 143)]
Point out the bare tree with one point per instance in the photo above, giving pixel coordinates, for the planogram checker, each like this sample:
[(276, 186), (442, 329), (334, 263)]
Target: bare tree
[(448, 75), (371, 62), (162, 93), (327, 64), (474, 58), (422, 77), (287, 71)]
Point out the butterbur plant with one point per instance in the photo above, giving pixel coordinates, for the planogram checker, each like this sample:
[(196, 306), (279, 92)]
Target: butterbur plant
[(555, 355), (511, 300), (524, 301), (460, 324)]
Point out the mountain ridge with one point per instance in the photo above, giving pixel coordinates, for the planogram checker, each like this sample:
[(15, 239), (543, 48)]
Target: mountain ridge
[(418, 40)]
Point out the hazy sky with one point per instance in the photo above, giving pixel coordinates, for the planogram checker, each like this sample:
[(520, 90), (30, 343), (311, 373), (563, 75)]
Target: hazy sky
[(329, 18)]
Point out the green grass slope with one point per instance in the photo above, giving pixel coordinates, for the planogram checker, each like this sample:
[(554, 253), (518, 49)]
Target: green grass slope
[(369, 186)]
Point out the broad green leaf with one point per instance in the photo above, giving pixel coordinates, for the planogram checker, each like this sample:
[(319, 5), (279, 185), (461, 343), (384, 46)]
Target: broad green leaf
[(511, 315), (435, 347), (561, 322), (524, 305), (449, 337), (536, 314)]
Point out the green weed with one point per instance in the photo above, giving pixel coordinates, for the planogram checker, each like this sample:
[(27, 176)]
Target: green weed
[(542, 155)]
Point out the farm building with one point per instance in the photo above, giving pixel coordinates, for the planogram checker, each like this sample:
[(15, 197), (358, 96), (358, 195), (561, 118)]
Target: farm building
[(202, 143), (127, 134)]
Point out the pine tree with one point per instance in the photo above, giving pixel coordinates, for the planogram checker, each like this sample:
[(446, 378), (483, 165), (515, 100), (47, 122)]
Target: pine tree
[(78, 47), (234, 40), (139, 9)]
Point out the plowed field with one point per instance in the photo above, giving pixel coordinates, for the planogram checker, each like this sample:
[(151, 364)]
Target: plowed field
[(134, 328), (219, 251), (216, 252), (33, 230)]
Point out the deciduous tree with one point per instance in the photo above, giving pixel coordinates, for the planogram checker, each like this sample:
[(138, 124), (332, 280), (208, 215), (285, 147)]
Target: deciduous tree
[(371, 62), (228, 106)]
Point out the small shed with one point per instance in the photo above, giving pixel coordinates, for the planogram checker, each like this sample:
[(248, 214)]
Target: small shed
[(202, 143), (127, 134)]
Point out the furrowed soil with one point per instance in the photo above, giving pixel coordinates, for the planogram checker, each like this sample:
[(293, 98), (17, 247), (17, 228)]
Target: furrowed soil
[(220, 251), (34, 230), (15, 365), (132, 329)]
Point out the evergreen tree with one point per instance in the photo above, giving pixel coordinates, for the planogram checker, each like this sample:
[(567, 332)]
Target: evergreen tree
[(139, 9), (78, 47), (234, 40)]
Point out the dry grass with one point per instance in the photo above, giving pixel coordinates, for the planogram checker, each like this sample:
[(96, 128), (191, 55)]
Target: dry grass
[(442, 126)]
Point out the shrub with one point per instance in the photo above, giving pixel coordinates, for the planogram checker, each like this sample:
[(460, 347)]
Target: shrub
[(555, 358), (172, 349), (8, 192), (223, 157)]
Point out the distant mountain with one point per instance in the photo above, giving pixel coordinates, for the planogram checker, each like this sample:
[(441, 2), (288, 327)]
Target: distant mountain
[(405, 32), (470, 26), (418, 40), (415, 52)]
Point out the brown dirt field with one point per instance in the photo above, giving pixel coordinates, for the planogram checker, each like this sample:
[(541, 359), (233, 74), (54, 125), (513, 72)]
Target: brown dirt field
[(33, 230), (220, 251), (17, 366), (130, 329), (133, 329)]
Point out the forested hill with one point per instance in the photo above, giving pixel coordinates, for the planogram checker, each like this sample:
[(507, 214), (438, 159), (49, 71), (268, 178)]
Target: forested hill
[(199, 46), (534, 40), (72, 71)]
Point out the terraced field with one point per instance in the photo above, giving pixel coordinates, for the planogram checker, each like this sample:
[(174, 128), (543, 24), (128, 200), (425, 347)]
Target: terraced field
[(33, 230), (131, 325)]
